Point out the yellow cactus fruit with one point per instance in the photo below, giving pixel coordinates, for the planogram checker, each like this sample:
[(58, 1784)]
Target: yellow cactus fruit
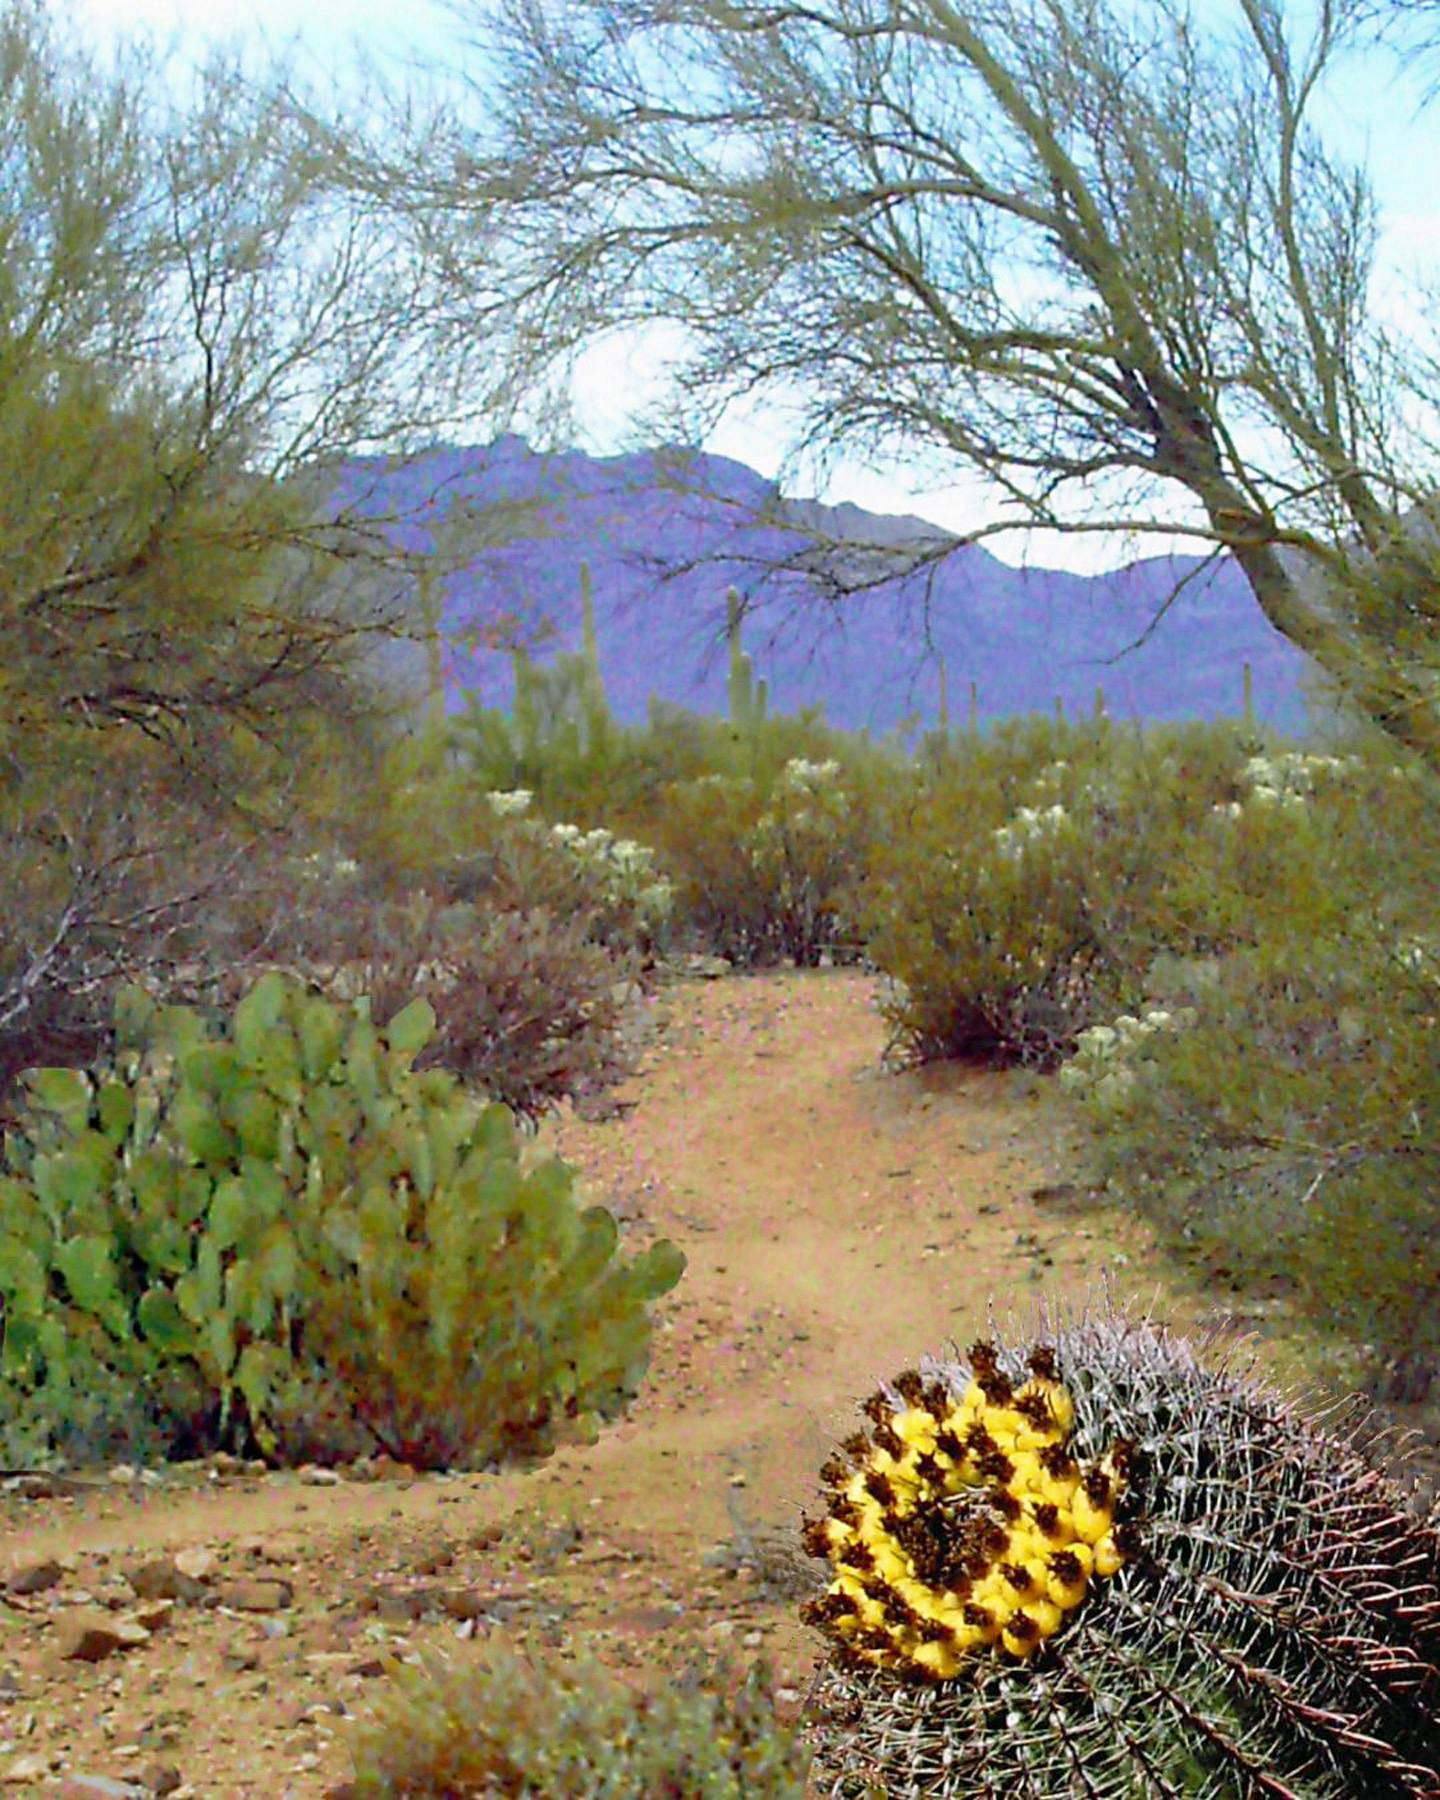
[(1091, 1510), (1021, 1636), (984, 1622), (1047, 1616), (972, 1403), (917, 1426), (1107, 1555), (1049, 1525), (1067, 1577), (1058, 1404), (938, 1658), (891, 1563)]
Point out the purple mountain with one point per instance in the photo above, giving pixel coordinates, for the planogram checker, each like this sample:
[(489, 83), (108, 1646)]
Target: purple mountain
[(664, 534)]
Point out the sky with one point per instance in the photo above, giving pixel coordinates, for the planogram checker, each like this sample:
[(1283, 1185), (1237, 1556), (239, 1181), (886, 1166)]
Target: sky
[(1372, 114)]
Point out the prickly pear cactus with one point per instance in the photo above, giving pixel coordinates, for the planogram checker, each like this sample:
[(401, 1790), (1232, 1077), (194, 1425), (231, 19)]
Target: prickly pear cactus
[(1089, 1565), (344, 1255)]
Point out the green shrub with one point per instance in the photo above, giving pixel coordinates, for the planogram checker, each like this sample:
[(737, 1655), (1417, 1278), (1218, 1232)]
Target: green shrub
[(334, 1252), (1025, 884), (529, 1011), (765, 871), (1289, 1134), (701, 833), (1286, 1134), (608, 881), (500, 1724), (978, 915)]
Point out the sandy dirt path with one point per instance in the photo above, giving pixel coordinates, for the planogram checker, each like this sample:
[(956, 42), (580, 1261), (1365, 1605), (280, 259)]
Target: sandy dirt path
[(839, 1221)]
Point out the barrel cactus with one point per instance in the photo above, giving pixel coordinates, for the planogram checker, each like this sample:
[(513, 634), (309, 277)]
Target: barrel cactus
[(1093, 1565)]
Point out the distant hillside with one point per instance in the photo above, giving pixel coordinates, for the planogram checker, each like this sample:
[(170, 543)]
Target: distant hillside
[(1025, 637)]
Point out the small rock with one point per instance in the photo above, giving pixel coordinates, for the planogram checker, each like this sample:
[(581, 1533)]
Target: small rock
[(310, 1476), (99, 1787), (223, 1463), (708, 968), (256, 1594), (33, 1766), (91, 1637), (197, 1564), (163, 1579), (126, 1475), (36, 1578), (154, 1615)]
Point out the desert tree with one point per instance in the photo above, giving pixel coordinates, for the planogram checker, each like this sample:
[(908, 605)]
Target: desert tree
[(1098, 254), (197, 340)]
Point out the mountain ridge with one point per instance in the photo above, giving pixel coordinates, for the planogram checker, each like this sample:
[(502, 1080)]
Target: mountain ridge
[(1025, 636)]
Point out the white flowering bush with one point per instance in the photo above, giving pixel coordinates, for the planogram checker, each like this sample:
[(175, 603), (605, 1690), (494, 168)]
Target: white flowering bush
[(610, 878), (1286, 779), (1023, 892), (800, 853), (1110, 1059), (325, 866), (624, 871), (764, 864), (1030, 825), (986, 902), (509, 804)]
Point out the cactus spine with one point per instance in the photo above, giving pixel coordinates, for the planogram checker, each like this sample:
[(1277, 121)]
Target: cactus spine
[(1267, 1621)]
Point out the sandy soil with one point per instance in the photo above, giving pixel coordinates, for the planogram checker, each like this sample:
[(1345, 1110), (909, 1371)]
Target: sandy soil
[(197, 1631)]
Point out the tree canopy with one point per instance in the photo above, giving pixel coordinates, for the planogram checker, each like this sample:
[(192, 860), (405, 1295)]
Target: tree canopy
[(193, 333), (1099, 253), (196, 335)]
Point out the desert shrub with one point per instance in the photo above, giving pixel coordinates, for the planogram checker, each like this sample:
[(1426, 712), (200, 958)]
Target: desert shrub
[(1027, 882), (976, 907), (526, 958), (501, 1723), (286, 1219), (114, 873), (608, 881), (528, 1011), (765, 871), (700, 833), (1286, 1134)]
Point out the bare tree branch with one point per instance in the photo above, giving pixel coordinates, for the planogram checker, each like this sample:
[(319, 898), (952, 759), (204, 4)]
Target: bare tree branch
[(1101, 257)]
